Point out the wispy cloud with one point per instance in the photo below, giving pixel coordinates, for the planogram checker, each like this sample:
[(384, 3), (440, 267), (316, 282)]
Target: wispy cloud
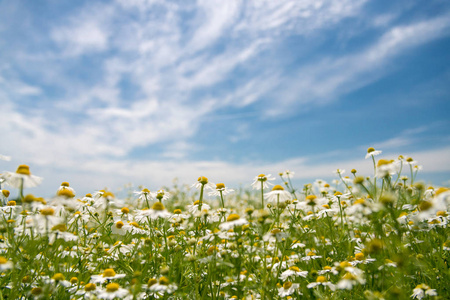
[(108, 79)]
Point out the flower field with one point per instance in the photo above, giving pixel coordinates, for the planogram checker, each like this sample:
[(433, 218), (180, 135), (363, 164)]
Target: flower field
[(383, 235)]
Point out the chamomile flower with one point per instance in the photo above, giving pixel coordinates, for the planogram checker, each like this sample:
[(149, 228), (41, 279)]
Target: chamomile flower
[(157, 211), (288, 289), (372, 152), (108, 274), (65, 191), (194, 208), (203, 182), (221, 189), (145, 195), (262, 181), (163, 285), (423, 290), (352, 277), (321, 280), (112, 291), (4, 194), (89, 291), (288, 174), (294, 272), (22, 178), (233, 220), (162, 195), (386, 167), (278, 195), (5, 264)]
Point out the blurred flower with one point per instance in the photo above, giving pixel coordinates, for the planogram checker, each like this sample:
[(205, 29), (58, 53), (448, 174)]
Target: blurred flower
[(21, 178), (262, 180), (372, 152)]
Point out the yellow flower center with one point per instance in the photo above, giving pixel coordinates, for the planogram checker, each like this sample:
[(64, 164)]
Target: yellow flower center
[(66, 184), (310, 198), (29, 198), (359, 256), (109, 273), (66, 193), (90, 287), (383, 162), (233, 217), (11, 203), (164, 280), (349, 276), (135, 224), (220, 186), (145, 191), (262, 177), (321, 279), (177, 211), (73, 280), (294, 268), (5, 193), (58, 277), (441, 190), (36, 291), (112, 287), (48, 211), (24, 170), (158, 206), (278, 188), (203, 180), (119, 224), (370, 150), (108, 194), (125, 210), (287, 285), (441, 213), (152, 281), (60, 227), (3, 260), (425, 205)]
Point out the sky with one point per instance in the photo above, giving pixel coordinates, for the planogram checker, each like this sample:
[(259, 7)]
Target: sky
[(106, 93)]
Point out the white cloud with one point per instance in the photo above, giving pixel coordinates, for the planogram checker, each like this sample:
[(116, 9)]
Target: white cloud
[(327, 80), (90, 175), (173, 69)]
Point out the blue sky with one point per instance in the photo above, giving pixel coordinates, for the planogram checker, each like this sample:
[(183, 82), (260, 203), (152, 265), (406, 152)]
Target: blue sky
[(103, 93)]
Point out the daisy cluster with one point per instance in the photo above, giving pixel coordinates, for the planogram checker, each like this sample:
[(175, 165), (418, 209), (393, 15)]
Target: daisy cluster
[(384, 236)]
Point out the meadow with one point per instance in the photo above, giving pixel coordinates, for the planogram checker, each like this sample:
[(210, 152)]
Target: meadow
[(383, 235)]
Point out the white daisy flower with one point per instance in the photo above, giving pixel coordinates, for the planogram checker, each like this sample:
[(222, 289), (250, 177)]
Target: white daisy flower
[(112, 291), (294, 272), (202, 181), (21, 178), (278, 194), (233, 220), (386, 167), (423, 290), (221, 189), (162, 195), (5, 264), (262, 180), (108, 274), (157, 211), (321, 280), (372, 152), (193, 208), (288, 289)]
